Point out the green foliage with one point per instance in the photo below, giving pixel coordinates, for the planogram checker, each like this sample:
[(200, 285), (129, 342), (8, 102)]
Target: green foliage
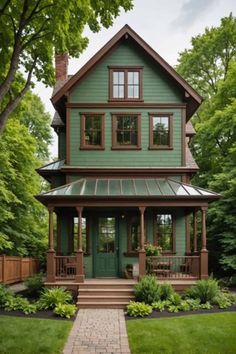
[(15, 303), (165, 291), (146, 290), (194, 304), (175, 299), (184, 306), (204, 290), (173, 308), (138, 309), (34, 284), (65, 310), (152, 250), (206, 306), (224, 300), (34, 31), (210, 66), (5, 295), (50, 298), (159, 305)]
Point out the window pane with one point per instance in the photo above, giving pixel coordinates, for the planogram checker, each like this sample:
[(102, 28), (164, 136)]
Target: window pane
[(115, 77), (97, 121), (134, 138), (115, 91), (88, 123), (121, 78), (156, 123), (136, 77), (121, 93), (126, 138), (165, 122), (164, 231), (136, 92), (130, 91), (106, 240), (130, 78), (119, 137), (160, 131)]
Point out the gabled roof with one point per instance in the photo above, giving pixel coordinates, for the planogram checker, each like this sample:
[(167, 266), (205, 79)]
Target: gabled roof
[(193, 97)]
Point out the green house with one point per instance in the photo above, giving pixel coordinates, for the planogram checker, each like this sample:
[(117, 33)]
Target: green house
[(122, 181)]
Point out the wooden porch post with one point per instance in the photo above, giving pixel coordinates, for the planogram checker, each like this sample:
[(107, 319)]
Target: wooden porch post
[(204, 252), (194, 232), (142, 253), (79, 278), (187, 238), (51, 252)]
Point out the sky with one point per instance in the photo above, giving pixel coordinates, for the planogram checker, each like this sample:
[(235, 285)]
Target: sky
[(166, 25)]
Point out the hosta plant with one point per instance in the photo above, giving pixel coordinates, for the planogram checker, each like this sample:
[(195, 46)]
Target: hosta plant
[(65, 310), (138, 309), (50, 298)]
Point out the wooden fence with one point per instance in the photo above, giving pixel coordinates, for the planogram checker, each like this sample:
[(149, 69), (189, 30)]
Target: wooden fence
[(15, 269)]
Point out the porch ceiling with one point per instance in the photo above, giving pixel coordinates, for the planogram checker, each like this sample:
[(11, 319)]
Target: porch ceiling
[(128, 189)]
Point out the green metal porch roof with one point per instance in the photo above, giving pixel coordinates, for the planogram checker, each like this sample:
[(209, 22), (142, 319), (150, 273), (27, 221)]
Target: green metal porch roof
[(129, 188)]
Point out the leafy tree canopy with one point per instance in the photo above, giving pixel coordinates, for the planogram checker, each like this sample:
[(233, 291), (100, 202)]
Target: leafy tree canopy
[(30, 33), (210, 66)]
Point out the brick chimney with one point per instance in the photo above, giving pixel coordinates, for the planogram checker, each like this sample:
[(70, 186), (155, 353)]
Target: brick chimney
[(61, 65)]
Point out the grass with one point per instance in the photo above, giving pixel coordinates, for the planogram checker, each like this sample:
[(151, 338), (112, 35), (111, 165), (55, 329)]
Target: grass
[(198, 334), (32, 336)]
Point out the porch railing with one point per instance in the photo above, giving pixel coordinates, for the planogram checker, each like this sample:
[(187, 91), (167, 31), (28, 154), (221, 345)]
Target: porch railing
[(173, 267), (65, 267)]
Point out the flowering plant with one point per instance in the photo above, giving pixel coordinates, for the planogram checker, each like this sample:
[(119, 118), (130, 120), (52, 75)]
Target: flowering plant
[(152, 250)]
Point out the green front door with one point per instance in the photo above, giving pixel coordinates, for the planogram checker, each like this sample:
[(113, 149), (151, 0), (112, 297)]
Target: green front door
[(106, 255)]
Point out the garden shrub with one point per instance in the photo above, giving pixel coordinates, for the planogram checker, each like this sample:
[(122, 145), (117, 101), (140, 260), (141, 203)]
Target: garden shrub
[(146, 290), (65, 310), (184, 306), (175, 299), (34, 284), (159, 305), (224, 300), (194, 304), (173, 308), (206, 306), (138, 309), (165, 291), (15, 303), (5, 295), (204, 290), (50, 298)]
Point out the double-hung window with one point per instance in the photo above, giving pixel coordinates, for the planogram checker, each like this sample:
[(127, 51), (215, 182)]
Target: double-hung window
[(160, 131), (126, 131), (126, 84), (164, 231), (92, 131)]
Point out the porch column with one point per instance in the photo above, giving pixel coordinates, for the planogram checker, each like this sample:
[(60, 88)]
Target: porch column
[(204, 252), (187, 238), (79, 278), (194, 232), (51, 252), (142, 253)]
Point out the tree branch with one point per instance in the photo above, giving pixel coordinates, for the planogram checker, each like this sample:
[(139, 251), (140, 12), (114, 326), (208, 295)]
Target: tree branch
[(4, 7), (13, 103)]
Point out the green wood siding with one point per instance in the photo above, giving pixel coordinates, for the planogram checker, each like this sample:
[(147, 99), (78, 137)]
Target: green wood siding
[(108, 157), (157, 87)]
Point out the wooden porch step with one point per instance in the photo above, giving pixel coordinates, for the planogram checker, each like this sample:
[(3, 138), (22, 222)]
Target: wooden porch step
[(104, 298), (103, 305), (106, 286), (106, 292)]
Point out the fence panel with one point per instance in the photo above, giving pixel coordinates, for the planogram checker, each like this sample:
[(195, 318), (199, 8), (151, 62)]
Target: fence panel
[(15, 269)]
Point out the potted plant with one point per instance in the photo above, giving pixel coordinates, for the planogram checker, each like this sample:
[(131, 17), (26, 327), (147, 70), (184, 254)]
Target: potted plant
[(152, 250)]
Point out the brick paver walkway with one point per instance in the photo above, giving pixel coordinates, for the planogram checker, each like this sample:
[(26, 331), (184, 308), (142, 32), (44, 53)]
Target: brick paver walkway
[(98, 331)]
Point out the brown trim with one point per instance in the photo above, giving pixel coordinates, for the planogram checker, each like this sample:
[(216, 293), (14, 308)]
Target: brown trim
[(155, 239), (67, 136), (183, 137), (134, 172), (125, 70), (83, 146), (115, 145), (170, 119), (126, 104), (104, 50)]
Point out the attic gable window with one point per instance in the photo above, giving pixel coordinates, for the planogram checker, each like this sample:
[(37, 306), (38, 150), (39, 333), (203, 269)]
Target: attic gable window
[(92, 131), (160, 131), (126, 84), (126, 131)]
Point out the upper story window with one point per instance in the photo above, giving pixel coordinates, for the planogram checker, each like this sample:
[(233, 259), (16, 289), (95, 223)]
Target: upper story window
[(126, 131), (164, 232), (92, 131), (160, 131), (126, 84)]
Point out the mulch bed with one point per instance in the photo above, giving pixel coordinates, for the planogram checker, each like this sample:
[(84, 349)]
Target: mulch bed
[(49, 315), (157, 314)]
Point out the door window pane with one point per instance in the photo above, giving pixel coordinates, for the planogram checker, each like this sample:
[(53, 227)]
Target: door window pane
[(106, 237)]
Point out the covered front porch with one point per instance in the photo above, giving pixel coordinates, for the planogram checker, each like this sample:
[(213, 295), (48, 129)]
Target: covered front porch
[(119, 222)]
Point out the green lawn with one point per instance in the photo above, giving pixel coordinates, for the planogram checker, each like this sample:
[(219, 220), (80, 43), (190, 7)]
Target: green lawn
[(32, 336), (197, 334)]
